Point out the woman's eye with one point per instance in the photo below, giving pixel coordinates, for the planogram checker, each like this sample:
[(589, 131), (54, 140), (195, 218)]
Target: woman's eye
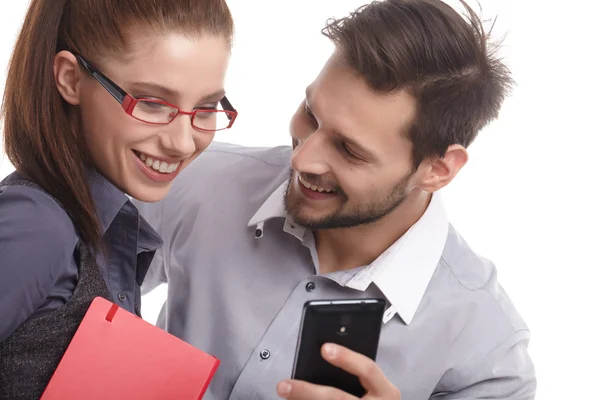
[(205, 107)]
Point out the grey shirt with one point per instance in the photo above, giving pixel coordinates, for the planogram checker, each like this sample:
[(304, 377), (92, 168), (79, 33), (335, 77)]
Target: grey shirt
[(239, 271), (38, 270)]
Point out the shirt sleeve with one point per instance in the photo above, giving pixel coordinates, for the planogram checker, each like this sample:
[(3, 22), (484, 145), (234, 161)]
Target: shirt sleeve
[(37, 240), (505, 373)]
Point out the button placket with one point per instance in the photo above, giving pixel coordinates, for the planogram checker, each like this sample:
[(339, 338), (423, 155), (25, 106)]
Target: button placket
[(275, 350)]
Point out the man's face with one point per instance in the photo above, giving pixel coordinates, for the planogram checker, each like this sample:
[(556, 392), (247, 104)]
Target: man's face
[(351, 163)]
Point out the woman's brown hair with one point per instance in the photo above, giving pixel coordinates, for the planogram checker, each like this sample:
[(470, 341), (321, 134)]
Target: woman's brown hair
[(39, 139)]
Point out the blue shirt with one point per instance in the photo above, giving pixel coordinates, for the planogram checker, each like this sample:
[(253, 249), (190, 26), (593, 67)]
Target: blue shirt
[(38, 271)]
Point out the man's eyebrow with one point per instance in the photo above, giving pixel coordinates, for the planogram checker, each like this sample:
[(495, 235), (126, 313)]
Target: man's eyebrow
[(362, 150), (359, 148)]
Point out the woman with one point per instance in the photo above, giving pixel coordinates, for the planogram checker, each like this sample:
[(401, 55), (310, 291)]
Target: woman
[(104, 99)]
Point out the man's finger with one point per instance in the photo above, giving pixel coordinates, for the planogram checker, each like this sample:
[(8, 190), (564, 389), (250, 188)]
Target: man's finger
[(368, 372), (300, 390)]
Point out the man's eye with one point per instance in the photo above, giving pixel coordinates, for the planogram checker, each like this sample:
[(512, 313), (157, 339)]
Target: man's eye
[(348, 153)]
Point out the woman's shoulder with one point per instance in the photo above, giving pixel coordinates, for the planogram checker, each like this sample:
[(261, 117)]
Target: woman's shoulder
[(37, 241), (36, 235), (25, 206)]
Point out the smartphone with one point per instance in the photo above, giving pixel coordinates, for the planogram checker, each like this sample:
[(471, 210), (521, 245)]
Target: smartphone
[(355, 324)]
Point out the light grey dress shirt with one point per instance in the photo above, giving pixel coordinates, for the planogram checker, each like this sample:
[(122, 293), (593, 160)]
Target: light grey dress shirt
[(239, 271)]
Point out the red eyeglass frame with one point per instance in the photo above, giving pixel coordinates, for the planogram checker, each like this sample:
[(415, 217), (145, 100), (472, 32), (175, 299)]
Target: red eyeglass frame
[(129, 102)]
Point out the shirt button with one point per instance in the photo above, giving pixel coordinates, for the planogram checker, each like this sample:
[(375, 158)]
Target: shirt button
[(122, 296), (310, 286), (265, 354)]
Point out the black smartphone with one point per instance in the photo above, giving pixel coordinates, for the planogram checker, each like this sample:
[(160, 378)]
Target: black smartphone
[(355, 324)]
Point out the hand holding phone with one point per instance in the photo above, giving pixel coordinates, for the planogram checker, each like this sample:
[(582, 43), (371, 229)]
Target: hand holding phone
[(354, 324)]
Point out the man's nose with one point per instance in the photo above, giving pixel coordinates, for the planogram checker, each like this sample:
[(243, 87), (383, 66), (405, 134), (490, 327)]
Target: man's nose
[(310, 155)]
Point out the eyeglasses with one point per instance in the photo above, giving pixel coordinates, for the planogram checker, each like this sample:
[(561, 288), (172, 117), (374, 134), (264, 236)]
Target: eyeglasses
[(158, 112)]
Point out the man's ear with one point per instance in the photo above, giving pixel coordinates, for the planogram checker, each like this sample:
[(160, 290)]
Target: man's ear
[(441, 171), (67, 76)]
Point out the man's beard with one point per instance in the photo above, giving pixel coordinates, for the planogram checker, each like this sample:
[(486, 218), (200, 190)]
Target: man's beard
[(366, 213)]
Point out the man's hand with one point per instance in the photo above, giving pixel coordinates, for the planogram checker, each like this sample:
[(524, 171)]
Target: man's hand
[(368, 372)]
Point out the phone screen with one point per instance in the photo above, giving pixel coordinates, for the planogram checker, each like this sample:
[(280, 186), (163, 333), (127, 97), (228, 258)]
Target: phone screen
[(355, 324)]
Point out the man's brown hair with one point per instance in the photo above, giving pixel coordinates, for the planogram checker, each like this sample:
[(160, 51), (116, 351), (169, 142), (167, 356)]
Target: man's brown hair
[(440, 57)]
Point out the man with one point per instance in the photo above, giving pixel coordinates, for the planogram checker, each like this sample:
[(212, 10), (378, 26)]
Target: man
[(382, 129)]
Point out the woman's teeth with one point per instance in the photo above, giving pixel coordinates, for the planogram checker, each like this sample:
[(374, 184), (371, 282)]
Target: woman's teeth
[(313, 187), (159, 166)]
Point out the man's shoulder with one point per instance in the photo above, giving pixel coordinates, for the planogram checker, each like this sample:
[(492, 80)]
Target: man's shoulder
[(235, 170), (486, 336), (226, 154), (476, 279), (227, 177)]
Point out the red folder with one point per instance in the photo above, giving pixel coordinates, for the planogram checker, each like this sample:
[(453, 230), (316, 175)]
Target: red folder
[(117, 355)]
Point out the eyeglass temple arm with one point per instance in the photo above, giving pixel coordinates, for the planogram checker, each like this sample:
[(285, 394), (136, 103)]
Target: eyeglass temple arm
[(227, 106), (120, 94), (109, 85)]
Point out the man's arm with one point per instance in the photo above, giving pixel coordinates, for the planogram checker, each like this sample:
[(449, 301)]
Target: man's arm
[(505, 373)]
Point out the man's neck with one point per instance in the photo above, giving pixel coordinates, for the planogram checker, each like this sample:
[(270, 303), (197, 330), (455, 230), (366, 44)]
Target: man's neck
[(347, 248)]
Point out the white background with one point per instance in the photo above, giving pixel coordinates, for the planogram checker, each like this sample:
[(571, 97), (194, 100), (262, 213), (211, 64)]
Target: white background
[(528, 197)]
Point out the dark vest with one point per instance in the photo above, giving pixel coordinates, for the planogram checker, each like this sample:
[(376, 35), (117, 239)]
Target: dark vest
[(30, 355)]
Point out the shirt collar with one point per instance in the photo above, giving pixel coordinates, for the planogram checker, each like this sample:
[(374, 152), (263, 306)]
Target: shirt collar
[(110, 201), (403, 271), (273, 207), (148, 239)]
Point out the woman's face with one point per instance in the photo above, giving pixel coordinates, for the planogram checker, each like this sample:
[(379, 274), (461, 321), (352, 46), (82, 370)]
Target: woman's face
[(139, 158)]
